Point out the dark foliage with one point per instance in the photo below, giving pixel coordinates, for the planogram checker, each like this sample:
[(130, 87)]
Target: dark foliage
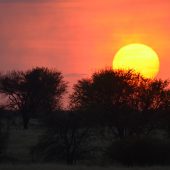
[(67, 139), (3, 135), (124, 101), (35, 91), (145, 151), (120, 108)]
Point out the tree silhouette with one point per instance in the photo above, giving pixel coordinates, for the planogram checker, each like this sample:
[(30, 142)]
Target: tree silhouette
[(35, 91), (124, 101), (67, 138), (107, 94), (151, 102)]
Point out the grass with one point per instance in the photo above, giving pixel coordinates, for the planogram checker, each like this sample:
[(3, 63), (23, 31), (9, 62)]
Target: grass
[(63, 167), (20, 142)]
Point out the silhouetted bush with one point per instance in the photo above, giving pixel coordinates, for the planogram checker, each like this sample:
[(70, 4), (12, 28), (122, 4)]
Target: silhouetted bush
[(144, 151), (66, 139)]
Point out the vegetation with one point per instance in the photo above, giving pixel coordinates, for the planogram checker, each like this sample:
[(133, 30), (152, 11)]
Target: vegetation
[(35, 91), (67, 138), (123, 101), (145, 151), (114, 117)]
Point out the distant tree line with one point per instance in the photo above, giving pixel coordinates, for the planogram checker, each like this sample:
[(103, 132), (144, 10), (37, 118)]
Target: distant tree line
[(118, 116)]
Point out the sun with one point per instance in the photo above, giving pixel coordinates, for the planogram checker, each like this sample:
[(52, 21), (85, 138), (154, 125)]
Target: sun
[(138, 57)]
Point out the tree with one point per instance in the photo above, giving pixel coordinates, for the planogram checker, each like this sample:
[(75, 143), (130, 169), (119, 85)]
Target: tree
[(124, 101), (67, 138), (39, 90), (165, 114), (152, 103), (108, 95)]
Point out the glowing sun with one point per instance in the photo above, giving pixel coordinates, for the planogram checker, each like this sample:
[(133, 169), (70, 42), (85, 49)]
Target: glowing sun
[(138, 57)]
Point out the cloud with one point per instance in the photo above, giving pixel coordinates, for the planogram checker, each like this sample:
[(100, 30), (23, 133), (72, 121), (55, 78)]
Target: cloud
[(75, 75)]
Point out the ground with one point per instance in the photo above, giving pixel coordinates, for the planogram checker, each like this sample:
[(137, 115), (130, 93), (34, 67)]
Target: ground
[(20, 142), (62, 167)]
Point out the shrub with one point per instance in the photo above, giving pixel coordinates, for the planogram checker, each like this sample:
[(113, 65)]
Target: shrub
[(67, 138), (139, 151)]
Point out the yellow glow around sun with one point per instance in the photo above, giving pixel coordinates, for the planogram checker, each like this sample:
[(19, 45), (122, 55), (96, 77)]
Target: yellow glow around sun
[(138, 57)]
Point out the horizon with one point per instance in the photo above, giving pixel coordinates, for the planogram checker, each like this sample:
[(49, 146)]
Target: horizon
[(84, 84)]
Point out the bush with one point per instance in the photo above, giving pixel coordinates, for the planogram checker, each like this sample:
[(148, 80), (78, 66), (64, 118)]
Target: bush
[(52, 148), (67, 139), (139, 151)]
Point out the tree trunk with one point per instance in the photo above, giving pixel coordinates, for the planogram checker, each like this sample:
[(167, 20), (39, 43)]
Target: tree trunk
[(70, 160), (25, 120), (121, 132)]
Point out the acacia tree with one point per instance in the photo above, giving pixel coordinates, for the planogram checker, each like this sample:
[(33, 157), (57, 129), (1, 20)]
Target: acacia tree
[(39, 90), (106, 95), (120, 99), (152, 101)]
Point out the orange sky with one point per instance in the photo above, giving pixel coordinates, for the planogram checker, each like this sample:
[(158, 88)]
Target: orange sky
[(79, 37)]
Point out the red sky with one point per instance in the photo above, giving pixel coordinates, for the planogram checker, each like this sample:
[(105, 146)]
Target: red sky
[(78, 37)]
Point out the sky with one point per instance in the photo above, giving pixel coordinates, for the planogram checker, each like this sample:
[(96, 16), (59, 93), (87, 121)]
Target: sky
[(79, 37)]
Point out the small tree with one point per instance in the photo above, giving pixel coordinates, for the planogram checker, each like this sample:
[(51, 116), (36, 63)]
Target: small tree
[(151, 103), (67, 138), (39, 90)]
